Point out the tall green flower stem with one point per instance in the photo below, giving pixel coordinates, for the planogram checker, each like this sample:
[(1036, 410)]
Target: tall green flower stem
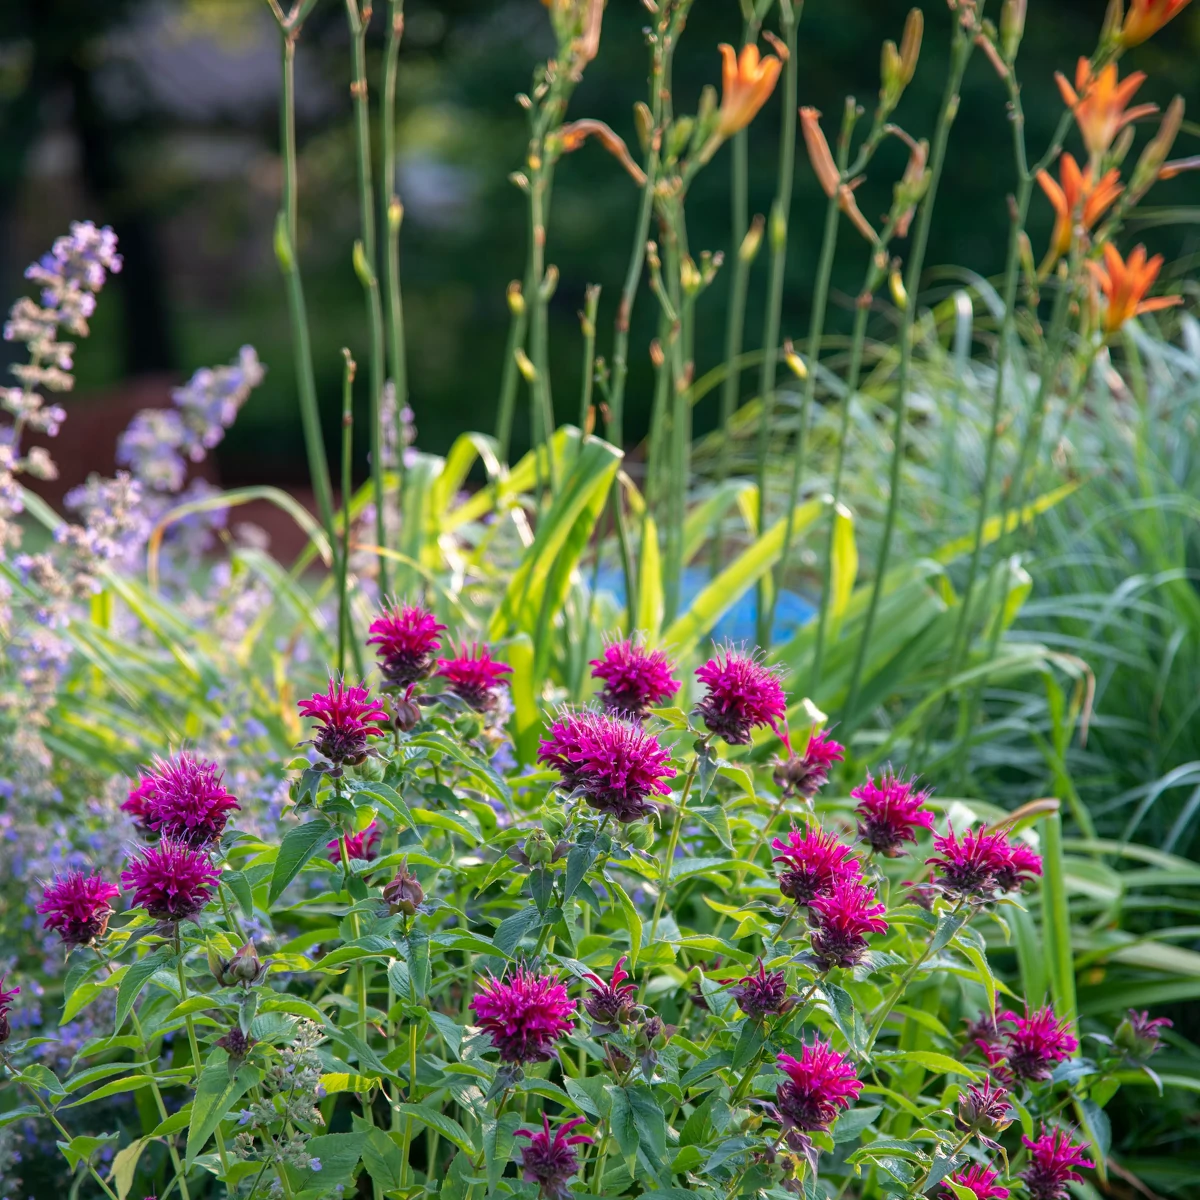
[(365, 261), (510, 376), (286, 252), (347, 488), (816, 330), (587, 323), (393, 215), (961, 46), (777, 231)]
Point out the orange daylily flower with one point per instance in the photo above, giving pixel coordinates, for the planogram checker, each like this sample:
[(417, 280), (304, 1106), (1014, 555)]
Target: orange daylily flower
[(1079, 198), (1125, 281), (1099, 103), (746, 82), (1146, 17)]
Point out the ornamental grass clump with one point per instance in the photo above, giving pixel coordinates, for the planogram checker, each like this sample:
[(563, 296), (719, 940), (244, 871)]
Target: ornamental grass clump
[(434, 903)]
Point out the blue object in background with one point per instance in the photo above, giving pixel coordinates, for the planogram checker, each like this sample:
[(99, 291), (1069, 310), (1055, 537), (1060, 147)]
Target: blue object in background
[(739, 623)]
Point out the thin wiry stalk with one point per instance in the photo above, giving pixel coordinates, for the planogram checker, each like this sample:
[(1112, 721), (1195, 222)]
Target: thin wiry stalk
[(587, 321), (960, 54), (286, 251), (364, 264), (347, 488), (777, 234), (393, 214)]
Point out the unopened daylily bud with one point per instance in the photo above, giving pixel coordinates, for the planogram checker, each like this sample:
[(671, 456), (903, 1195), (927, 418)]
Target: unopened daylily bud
[(549, 283), (395, 213), (403, 893), (910, 44), (657, 357), (912, 186), (794, 361), (778, 227), (643, 122), (707, 108), (748, 250), (1012, 27), (525, 366), (689, 276), (1153, 157), (678, 136), (571, 137), (819, 154), (516, 301), (1025, 248), (897, 288), (897, 66)]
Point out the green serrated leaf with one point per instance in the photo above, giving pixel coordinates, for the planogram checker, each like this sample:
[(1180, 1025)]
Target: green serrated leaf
[(298, 847), (432, 1118), (133, 979), (216, 1093)]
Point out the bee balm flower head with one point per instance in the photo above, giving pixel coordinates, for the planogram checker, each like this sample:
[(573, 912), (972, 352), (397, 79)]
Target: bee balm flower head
[(171, 881), (616, 766), (842, 918), (807, 773), (550, 1160), (1036, 1043), (979, 1181), (362, 845), (613, 1003), (890, 812), (812, 862), (1053, 1162), (742, 696), (6, 1003), (346, 716), (524, 1014), (968, 868), (184, 799), (762, 994), (76, 907), (405, 638), (820, 1084), (1139, 1034), (635, 679), (474, 676)]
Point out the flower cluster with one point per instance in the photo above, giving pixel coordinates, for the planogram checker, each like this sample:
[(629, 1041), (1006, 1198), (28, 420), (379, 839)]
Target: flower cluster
[(1053, 1162), (550, 1160), (1029, 1046), (977, 1179), (611, 1004), (890, 812), (474, 677), (184, 799), (813, 862), (842, 917), (524, 1014), (6, 1003), (405, 638), (981, 864), (743, 695), (171, 881), (363, 845), (762, 994), (347, 717), (806, 774), (635, 679), (616, 766), (820, 1085), (76, 907)]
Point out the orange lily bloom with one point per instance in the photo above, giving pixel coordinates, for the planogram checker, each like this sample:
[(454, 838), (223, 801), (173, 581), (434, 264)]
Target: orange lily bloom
[(1125, 282), (746, 82), (1099, 103), (1146, 17), (1080, 197)]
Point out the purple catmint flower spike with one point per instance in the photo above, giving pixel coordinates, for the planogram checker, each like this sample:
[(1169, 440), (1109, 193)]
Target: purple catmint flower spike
[(76, 907)]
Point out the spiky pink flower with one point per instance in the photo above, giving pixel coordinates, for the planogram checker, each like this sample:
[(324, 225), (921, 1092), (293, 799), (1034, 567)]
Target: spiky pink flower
[(762, 994), (1053, 1159), (842, 918), (347, 716), (1139, 1034), (968, 868), (474, 676), (362, 845), (1022, 864), (812, 860), (183, 798), (1036, 1042), (613, 1003), (171, 881), (807, 773), (820, 1084), (615, 765), (551, 1161), (405, 638), (984, 1108), (742, 695), (635, 679), (76, 907), (138, 803), (6, 1002), (980, 1181), (524, 1014), (890, 812)]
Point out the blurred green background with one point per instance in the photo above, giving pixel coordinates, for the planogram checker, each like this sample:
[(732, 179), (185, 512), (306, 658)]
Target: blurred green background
[(161, 119)]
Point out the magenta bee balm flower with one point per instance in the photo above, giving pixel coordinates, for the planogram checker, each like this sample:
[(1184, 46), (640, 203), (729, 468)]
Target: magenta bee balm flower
[(613, 1003), (76, 907), (524, 1014), (742, 696), (551, 1161), (820, 1084), (405, 639), (890, 812), (1022, 864), (980, 1181), (812, 861), (1053, 1159), (358, 845), (138, 803), (474, 676), (347, 716), (183, 799), (1036, 1043), (969, 868), (762, 994), (635, 679), (171, 881), (808, 773), (616, 766), (842, 918), (6, 1002)]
